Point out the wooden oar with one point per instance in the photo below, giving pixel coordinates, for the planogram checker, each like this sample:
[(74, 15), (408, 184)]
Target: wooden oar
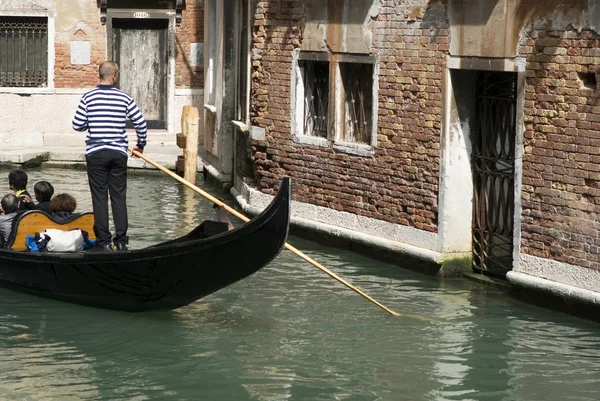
[(246, 219)]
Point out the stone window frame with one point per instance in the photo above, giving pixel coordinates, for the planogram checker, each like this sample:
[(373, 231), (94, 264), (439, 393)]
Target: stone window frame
[(50, 17), (336, 103), (297, 101), (357, 148)]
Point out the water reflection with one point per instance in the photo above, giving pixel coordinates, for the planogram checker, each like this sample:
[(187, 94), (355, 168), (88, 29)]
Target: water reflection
[(290, 332)]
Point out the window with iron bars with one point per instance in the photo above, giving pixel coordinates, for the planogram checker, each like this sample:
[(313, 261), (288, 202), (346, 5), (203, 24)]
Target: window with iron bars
[(23, 51), (340, 111), (315, 77), (357, 95)]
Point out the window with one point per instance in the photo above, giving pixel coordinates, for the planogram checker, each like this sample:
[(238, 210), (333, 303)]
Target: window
[(357, 94), (315, 77), (333, 101), (23, 51)]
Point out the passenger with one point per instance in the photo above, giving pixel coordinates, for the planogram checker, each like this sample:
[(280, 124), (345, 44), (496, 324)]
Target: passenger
[(17, 182), (9, 207), (62, 206), (43, 191)]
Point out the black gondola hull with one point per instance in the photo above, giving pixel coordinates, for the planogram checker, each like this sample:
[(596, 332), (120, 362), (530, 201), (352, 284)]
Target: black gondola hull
[(165, 276)]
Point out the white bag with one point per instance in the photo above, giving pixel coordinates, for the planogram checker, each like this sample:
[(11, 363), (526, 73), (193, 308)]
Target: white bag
[(64, 241)]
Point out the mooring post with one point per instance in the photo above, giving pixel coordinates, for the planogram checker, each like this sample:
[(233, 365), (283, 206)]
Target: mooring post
[(182, 141), (190, 153)]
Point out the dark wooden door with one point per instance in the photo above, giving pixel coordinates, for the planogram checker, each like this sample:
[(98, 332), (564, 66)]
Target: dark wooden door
[(140, 49)]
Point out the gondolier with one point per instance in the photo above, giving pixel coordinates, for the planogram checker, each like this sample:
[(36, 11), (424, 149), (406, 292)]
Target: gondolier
[(103, 112)]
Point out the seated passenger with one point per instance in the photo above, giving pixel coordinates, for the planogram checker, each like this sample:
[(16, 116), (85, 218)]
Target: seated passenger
[(62, 206), (9, 206), (43, 193), (17, 182)]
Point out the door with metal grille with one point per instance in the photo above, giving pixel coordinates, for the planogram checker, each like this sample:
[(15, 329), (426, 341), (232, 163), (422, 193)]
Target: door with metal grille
[(493, 172)]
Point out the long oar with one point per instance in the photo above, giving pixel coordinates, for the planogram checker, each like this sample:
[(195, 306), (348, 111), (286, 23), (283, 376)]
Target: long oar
[(246, 219)]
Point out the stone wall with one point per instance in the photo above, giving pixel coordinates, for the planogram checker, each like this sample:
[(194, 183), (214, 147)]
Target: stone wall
[(561, 162), (399, 183)]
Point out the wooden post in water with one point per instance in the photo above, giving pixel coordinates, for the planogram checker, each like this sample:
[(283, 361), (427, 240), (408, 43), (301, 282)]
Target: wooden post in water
[(190, 153), (182, 140)]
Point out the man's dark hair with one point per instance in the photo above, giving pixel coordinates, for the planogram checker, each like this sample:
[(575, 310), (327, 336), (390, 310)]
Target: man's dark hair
[(63, 203), (17, 179), (43, 191), (10, 203)]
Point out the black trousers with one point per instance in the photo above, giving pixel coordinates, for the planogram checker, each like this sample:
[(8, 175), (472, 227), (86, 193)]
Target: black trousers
[(107, 174)]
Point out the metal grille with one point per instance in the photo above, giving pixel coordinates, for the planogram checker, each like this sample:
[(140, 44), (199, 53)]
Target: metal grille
[(357, 79), (493, 172), (315, 76), (23, 51)]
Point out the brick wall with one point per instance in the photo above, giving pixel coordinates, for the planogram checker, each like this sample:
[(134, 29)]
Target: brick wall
[(90, 29), (400, 183), (190, 31), (561, 162)]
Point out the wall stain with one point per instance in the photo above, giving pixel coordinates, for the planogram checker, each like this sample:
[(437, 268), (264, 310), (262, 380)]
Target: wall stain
[(527, 11)]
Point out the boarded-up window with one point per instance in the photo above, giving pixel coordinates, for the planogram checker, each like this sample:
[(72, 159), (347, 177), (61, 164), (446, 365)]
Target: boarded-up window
[(315, 77), (23, 51), (357, 111)]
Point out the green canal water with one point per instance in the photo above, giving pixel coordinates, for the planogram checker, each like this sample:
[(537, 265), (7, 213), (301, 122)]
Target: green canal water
[(289, 332)]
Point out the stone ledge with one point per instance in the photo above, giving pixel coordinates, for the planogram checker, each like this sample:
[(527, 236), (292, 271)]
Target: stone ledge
[(557, 296), (72, 157)]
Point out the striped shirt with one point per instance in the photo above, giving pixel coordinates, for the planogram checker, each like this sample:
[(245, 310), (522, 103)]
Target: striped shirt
[(103, 112)]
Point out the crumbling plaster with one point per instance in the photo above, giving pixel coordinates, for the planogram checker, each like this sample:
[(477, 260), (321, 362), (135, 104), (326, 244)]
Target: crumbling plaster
[(24, 5), (340, 26), (69, 14), (494, 28)]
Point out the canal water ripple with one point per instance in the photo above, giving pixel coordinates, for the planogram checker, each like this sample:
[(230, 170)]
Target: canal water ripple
[(289, 332)]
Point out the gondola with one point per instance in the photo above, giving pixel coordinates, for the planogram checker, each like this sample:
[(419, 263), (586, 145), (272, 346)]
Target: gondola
[(165, 276)]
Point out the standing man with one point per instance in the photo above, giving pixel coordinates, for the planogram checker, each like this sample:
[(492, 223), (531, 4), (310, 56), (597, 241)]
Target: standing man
[(103, 112)]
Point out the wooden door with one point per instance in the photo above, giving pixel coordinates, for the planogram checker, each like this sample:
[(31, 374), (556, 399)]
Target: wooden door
[(140, 49)]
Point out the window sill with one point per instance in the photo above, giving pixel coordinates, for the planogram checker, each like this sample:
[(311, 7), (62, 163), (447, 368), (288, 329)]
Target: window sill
[(26, 90), (43, 91), (359, 149), (311, 140)]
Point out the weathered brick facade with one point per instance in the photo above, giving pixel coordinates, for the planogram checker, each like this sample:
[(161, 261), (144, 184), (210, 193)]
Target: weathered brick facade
[(67, 75), (561, 162), (91, 29), (190, 31), (400, 183)]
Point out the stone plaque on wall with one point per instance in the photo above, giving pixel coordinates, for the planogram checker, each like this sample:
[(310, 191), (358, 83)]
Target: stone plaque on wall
[(196, 54), (257, 133), (80, 52)]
